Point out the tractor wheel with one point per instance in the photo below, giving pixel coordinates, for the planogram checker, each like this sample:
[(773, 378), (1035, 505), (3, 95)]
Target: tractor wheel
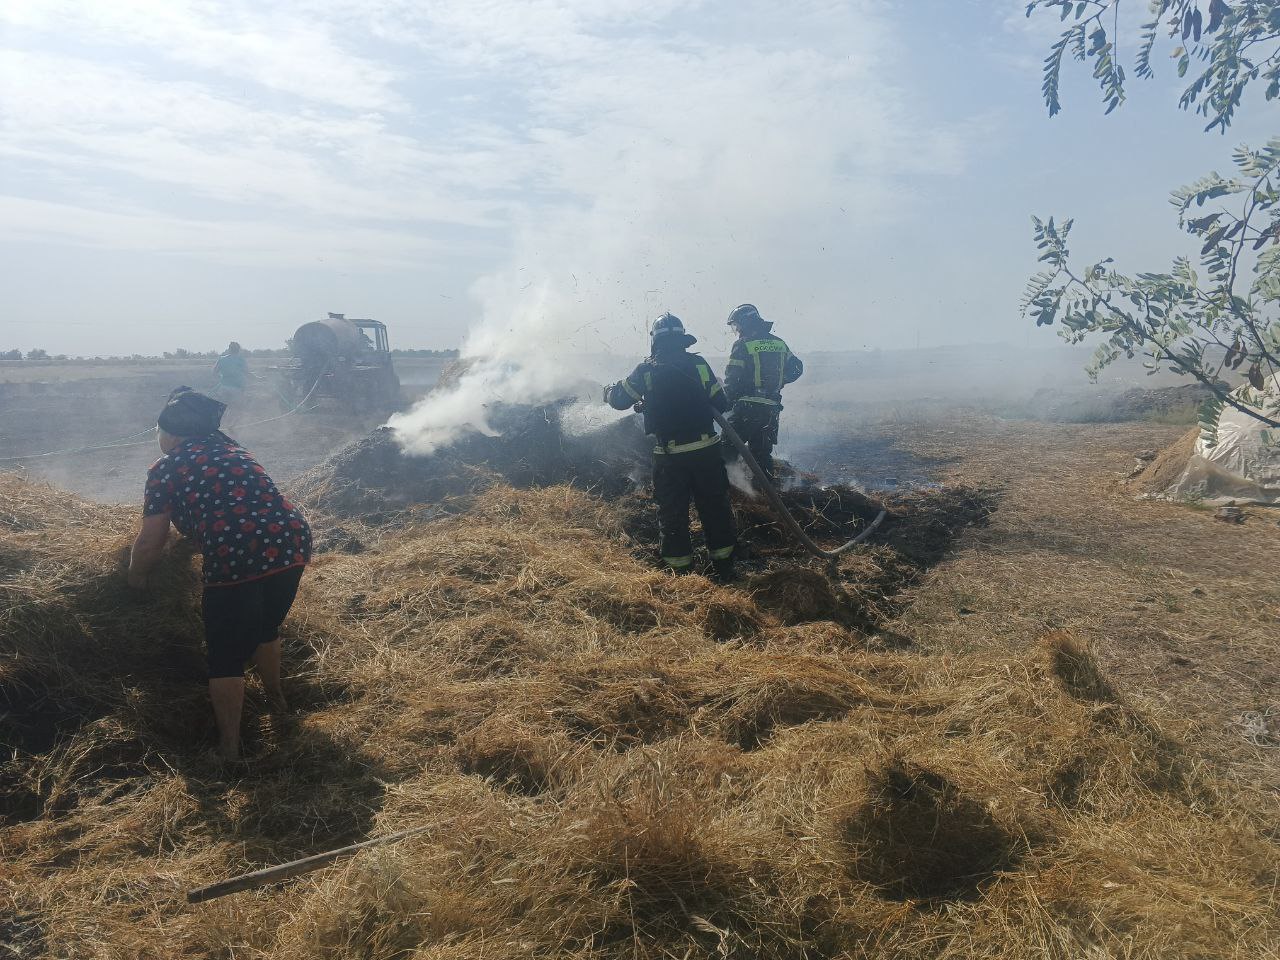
[(360, 398), (388, 390), (286, 392)]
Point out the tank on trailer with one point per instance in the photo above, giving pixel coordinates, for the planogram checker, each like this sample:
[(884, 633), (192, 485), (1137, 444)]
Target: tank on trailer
[(343, 359)]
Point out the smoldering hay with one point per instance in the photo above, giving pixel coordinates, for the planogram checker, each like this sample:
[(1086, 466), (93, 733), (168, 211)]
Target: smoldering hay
[(523, 353), (524, 445)]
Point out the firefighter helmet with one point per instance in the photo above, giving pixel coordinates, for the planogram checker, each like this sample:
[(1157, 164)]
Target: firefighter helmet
[(669, 325), (744, 315)]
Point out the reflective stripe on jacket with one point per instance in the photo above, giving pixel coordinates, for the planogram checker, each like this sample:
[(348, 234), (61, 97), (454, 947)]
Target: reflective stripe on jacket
[(678, 390), (758, 369)]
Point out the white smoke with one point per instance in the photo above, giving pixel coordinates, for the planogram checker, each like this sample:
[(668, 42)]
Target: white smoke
[(688, 170), (511, 364), (741, 478)]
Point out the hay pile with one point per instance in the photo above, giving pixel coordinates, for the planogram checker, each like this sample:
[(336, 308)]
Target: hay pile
[(373, 480), (612, 763), (1169, 464)]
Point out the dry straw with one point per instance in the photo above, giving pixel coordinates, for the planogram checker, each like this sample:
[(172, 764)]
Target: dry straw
[(610, 762)]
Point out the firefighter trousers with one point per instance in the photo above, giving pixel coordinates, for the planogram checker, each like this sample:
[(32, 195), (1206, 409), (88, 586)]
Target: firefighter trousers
[(698, 475), (757, 425)]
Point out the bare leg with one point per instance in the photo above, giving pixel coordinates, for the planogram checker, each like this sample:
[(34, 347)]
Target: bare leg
[(266, 660), (227, 694)]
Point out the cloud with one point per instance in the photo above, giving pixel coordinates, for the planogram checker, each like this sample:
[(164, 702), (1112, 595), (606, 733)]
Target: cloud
[(249, 242), (242, 41), (689, 154), (591, 161), (106, 118)]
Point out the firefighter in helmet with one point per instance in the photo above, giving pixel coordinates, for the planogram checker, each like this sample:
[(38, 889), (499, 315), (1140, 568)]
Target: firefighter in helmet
[(760, 364), (676, 391)]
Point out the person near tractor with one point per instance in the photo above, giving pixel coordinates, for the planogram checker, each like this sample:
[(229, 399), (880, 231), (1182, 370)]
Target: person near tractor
[(676, 391), (232, 371), (254, 543), (760, 365)]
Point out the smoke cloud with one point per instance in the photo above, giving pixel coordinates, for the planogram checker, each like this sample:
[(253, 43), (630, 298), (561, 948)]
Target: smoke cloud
[(686, 170)]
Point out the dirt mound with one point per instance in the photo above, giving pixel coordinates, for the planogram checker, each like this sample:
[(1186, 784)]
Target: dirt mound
[(1161, 473), (1161, 405), (1166, 405), (372, 479)]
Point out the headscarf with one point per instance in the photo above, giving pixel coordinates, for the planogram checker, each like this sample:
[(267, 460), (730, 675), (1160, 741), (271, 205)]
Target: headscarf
[(190, 414)]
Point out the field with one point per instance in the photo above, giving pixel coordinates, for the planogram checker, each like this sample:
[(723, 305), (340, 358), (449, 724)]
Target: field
[(1037, 717), (56, 407)]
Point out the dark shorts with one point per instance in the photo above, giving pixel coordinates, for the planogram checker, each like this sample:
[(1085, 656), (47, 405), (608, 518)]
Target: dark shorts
[(240, 616)]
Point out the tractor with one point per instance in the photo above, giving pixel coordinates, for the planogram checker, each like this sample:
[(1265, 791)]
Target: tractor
[(341, 359)]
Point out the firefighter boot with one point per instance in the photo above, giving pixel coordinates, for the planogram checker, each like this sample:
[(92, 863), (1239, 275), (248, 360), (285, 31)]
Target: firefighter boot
[(723, 571)]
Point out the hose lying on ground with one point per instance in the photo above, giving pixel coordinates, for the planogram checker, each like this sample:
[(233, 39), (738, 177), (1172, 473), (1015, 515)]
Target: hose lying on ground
[(775, 498)]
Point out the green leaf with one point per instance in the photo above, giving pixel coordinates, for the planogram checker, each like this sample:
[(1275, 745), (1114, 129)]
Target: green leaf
[(1217, 10), (1210, 411), (1212, 239)]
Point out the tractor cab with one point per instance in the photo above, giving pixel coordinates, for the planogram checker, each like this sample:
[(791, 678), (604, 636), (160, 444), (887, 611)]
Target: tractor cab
[(373, 333)]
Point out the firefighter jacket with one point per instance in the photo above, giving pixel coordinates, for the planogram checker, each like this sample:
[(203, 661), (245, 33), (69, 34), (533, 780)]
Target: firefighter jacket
[(758, 369), (678, 390)]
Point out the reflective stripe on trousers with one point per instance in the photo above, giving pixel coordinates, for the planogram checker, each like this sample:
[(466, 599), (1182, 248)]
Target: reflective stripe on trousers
[(706, 440), (698, 477)]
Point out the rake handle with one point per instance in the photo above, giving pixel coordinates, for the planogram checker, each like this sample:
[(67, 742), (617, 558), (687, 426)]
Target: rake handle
[(295, 868)]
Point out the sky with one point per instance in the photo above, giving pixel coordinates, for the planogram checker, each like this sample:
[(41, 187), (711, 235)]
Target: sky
[(558, 172)]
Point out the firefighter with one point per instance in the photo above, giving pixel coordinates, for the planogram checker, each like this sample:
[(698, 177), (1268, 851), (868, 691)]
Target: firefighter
[(676, 390), (759, 366)]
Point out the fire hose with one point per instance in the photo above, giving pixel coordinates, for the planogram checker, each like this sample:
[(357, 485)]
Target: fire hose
[(775, 498)]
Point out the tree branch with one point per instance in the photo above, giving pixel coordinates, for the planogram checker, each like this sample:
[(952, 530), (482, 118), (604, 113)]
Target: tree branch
[(1215, 388)]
